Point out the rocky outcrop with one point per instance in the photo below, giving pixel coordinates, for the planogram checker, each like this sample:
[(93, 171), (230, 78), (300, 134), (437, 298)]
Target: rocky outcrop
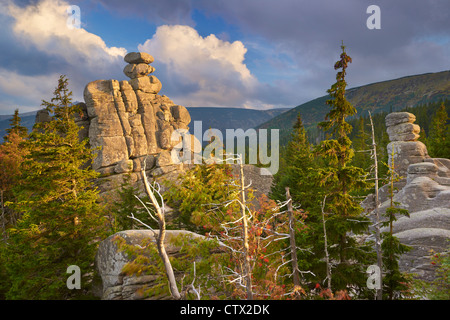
[(424, 191), (426, 196), (426, 232), (114, 284), (130, 125)]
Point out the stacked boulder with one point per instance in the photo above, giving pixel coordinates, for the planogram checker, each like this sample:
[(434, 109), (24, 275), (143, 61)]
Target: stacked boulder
[(403, 134), (131, 125)]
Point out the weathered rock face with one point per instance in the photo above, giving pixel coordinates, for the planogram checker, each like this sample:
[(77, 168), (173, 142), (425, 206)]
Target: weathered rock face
[(130, 123), (424, 191), (400, 126), (110, 260), (426, 232), (426, 196)]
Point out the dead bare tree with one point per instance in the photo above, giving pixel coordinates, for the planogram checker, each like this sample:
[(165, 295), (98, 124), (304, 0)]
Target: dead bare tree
[(327, 257), (296, 275), (160, 236), (379, 292), (247, 267), (153, 192), (237, 231)]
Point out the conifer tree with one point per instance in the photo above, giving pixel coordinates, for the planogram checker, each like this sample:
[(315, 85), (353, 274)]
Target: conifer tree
[(60, 217), (340, 180), (296, 162), (125, 205), (15, 126), (204, 184), (361, 158), (394, 282), (439, 136), (12, 153)]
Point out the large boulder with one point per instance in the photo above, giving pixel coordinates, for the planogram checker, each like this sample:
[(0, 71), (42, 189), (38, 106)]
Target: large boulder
[(133, 70), (138, 57), (426, 233), (110, 261), (397, 118)]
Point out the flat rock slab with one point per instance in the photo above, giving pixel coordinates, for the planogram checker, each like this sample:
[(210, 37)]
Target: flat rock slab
[(138, 57)]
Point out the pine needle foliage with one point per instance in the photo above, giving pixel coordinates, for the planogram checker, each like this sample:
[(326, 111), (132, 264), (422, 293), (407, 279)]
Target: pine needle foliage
[(60, 219)]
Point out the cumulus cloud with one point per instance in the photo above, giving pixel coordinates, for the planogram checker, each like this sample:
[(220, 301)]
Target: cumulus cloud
[(413, 37), (200, 71), (45, 26), (285, 55), (39, 46)]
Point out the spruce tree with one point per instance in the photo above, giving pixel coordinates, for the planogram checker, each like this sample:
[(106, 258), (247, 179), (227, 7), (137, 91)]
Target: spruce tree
[(439, 136), (12, 153), (395, 283), (340, 181), (362, 156), (61, 221), (126, 205), (16, 127), (296, 162)]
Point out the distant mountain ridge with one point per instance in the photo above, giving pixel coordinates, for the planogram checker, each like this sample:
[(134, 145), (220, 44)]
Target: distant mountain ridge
[(390, 95), (231, 118), (27, 120), (211, 117)]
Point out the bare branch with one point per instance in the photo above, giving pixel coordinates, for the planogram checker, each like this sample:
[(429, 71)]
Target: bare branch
[(144, 224), (147, 209)]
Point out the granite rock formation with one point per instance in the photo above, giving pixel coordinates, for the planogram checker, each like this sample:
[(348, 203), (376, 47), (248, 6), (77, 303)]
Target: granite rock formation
[(424, 190), (130, 123), (403, 134), (129, 126)]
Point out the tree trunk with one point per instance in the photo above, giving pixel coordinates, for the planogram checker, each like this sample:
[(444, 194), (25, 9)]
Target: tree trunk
[(247, 267), (327, 257), (296, 275), (160, 241), (379, 291)]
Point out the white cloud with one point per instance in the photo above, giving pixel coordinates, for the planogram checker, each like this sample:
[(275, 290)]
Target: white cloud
[(211, 71), (41, 29), (14, 84), (28, 91), (44, 25)]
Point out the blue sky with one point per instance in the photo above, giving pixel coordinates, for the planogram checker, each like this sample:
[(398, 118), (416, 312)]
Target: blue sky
[(209, 53)]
